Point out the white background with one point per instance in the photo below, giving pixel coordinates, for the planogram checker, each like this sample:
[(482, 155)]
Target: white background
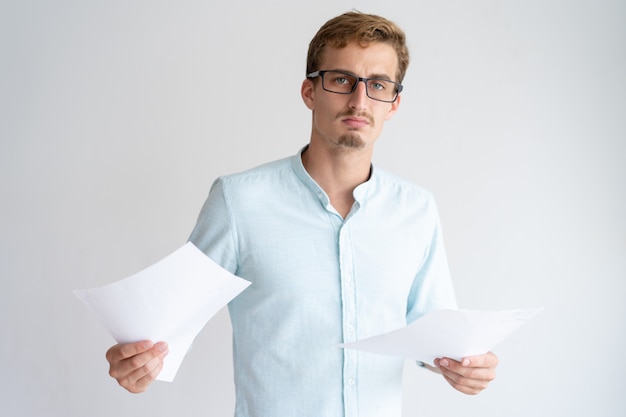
[(116, 116)]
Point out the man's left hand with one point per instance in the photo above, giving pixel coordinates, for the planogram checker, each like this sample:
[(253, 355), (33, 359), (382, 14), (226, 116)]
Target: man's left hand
[(471, 375)]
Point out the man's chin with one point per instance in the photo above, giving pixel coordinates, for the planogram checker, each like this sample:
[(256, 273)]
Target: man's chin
[(351, 141)]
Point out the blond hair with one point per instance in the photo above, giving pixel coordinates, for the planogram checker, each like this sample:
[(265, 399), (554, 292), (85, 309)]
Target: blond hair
[(363, 29)]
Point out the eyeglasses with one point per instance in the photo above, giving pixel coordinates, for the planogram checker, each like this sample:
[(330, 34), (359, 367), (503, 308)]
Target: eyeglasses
[(341, 82)]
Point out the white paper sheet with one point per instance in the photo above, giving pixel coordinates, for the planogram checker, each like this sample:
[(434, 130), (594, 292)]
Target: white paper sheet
[(169, 301), (454, 334)]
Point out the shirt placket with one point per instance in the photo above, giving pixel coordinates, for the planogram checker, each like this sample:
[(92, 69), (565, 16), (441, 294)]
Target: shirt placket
[(348, 298)]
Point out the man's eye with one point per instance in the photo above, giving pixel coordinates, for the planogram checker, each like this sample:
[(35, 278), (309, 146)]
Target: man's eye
[(377, 85), (342, 80)]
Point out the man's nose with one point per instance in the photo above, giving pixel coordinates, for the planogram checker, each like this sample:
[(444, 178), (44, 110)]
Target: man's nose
[(358, 99)]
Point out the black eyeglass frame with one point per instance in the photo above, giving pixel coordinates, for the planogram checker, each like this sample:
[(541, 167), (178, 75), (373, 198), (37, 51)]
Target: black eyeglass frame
[(321, 73)]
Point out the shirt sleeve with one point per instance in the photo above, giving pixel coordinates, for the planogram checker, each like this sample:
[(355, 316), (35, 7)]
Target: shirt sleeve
[(432, 287), (215, 232)]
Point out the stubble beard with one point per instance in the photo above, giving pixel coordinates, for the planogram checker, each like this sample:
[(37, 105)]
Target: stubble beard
[(351, 141)]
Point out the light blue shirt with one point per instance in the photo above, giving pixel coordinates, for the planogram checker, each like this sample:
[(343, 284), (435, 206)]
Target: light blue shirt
[(319, 280)]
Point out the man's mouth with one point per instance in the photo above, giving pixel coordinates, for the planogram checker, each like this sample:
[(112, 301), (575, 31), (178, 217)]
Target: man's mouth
[(356, 122)]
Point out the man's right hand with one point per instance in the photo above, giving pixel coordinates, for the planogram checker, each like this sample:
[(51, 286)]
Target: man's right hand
[(136, 365)]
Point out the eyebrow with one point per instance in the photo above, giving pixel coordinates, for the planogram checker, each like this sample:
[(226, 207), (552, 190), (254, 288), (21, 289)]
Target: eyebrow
[(380, 76)]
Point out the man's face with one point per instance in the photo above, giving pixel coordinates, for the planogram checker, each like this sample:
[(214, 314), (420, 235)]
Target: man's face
[(351, 121)]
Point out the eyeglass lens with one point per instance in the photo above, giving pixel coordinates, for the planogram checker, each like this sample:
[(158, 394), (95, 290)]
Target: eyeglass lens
[(342, 83)]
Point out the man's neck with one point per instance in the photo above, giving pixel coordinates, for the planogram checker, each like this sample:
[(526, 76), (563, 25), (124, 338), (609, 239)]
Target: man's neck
[(338, 172)]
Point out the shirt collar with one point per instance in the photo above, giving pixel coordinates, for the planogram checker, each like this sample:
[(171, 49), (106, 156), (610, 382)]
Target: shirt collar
[(360, 192)]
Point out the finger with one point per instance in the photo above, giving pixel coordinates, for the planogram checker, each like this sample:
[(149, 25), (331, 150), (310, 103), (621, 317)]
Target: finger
[(488, 360), (123, 351), (123, 369), (475, 377), (151, 376), (466, 365), (467, 379), (139, 379), (463, 386), (470, 371)]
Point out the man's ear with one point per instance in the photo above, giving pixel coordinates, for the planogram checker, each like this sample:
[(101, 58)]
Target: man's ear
[(308, 93), (394, 107)]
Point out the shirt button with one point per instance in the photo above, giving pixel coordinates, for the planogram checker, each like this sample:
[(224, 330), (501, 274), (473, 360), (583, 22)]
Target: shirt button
[(349, 327), (348, 278), (350, 381)]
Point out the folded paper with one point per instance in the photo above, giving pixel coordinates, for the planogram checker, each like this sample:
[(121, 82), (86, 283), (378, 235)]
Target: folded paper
[(453, 334), (169, 301)]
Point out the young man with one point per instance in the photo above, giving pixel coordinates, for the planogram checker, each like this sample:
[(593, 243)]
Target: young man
[(336, 250)]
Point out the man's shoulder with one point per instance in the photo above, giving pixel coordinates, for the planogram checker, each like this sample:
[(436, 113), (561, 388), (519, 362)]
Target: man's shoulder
[(267, 172)]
